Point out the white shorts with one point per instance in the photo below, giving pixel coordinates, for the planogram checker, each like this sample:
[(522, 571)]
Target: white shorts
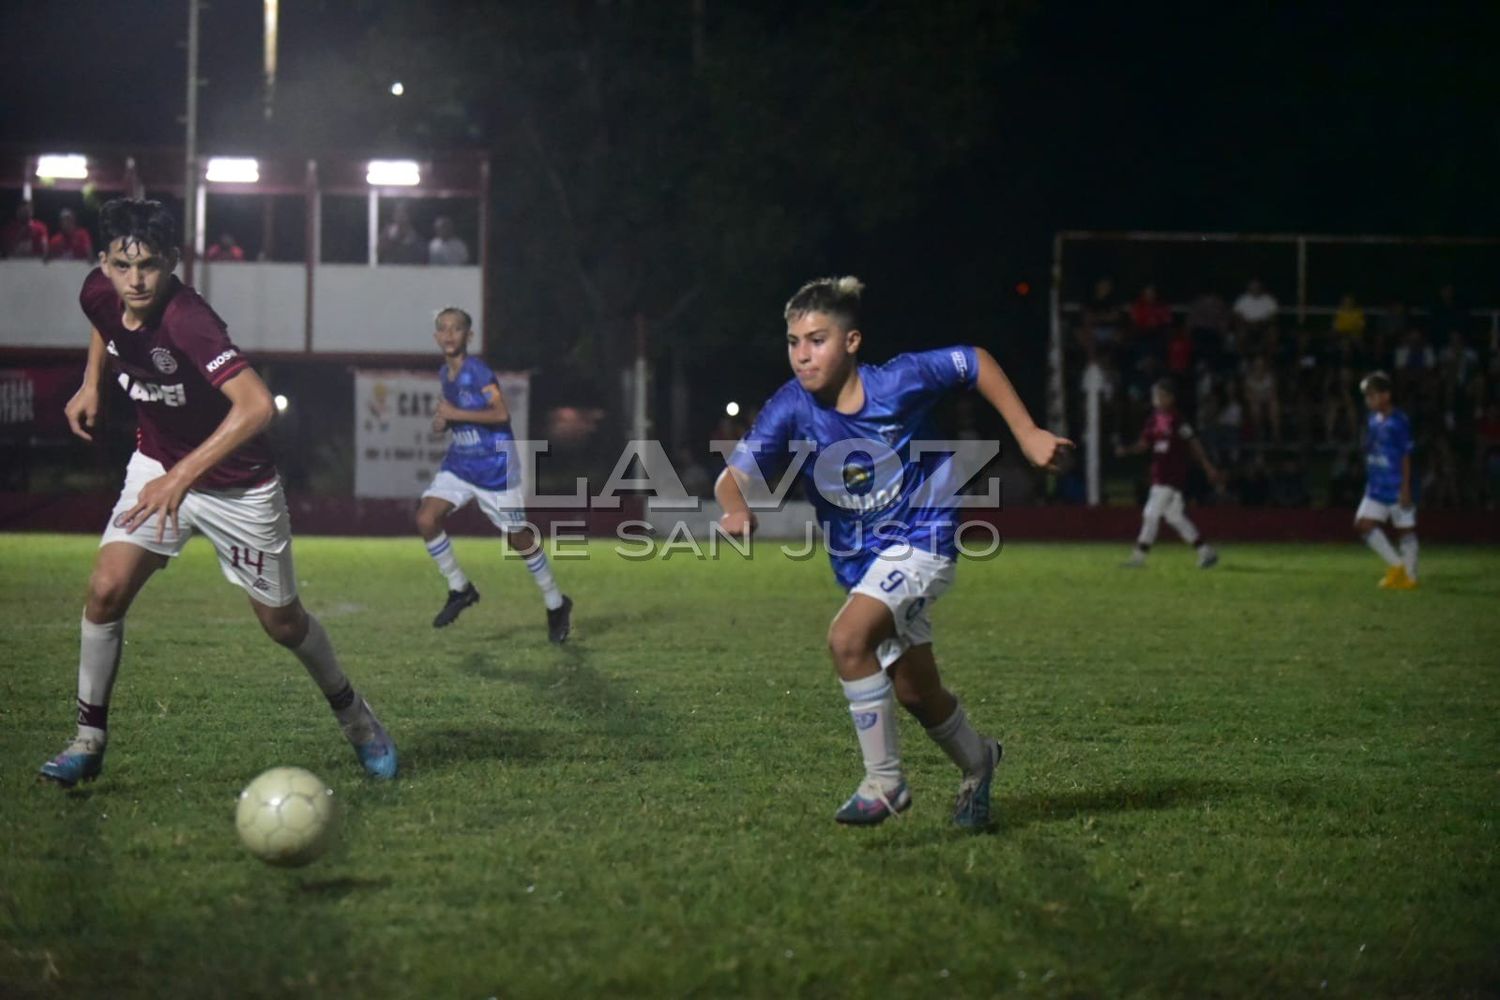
[(907, 580), (249, 528), (1401, 517), (506, 509), (1163, 501)]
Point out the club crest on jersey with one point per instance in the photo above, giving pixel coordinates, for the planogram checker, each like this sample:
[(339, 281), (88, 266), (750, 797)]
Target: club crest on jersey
[(163, 360), (857, 478)]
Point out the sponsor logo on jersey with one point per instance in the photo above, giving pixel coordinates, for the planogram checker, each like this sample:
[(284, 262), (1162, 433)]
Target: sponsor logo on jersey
[(151, 392), (163, 360), (221, 360), (110, 347), (961, 363), (261, 584)]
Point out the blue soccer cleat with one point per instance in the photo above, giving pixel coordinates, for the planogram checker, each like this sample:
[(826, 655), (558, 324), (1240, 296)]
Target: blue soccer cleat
[(372, 744), (83, 760), (971, 809), (870, 804)]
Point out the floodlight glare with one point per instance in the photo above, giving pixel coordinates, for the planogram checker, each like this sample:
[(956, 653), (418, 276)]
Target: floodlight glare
[(393, 173), (397, 89), (233, 170), (62, 167), (281, 402), (732, 408)]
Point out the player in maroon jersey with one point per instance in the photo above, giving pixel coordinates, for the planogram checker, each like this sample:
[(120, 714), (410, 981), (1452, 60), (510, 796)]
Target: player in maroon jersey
[(1170, 440), (201, 465)]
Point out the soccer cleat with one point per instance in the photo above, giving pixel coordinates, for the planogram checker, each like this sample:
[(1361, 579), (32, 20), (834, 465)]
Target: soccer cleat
[(1137, 560), (457, 601), (81, 761), (1207, 557), (971, 809), (1396, 578), (560, 621), (870, 804), (372, 744)]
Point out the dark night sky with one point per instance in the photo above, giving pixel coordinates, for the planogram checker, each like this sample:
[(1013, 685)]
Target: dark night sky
[(1376, 116)]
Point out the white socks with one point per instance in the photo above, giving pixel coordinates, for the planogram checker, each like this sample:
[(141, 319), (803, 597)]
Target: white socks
[(1409, 553), (961, 742), (1382, 545), (98, 662), (541, 572), (441, 551), (872, 706), (322, 663)]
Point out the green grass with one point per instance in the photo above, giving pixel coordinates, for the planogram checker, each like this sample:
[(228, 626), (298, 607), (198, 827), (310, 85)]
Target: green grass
[(1267, 780)]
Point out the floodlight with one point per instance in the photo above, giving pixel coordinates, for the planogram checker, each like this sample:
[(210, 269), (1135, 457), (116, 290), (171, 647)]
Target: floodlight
[(393, 173), (62, 167)]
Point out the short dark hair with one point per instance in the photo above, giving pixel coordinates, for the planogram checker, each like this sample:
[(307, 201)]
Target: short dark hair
[(1375, 382), (468, 320), (136, 220), (838, 297)]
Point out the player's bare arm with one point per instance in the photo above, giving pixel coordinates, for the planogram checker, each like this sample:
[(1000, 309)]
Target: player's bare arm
[(1041, 447), (1214, 475), (83, 409), (729, 490), (250, 411), (495, 412)]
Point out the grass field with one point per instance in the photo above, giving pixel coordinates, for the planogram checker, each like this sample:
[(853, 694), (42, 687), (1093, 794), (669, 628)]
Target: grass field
[(1266, 780)]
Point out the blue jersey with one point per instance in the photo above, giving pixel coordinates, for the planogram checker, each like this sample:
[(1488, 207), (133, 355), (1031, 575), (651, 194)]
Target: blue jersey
[(478, 453), (1387, 442), (868, 490)]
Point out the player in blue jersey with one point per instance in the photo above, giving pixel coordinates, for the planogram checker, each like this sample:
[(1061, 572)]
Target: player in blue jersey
[(889, 523), (481, 465), (1388, 495)]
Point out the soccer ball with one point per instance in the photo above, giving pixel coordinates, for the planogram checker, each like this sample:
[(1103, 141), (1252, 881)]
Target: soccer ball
[(286, 817)]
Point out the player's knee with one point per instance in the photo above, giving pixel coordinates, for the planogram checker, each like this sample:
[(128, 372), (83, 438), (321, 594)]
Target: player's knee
[(428, 523), (109, 595), (286, 626), (522, 542), (848, 645), (1363, 527)]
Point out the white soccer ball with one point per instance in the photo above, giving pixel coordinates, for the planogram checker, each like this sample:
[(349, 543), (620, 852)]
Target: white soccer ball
[(286, 816)]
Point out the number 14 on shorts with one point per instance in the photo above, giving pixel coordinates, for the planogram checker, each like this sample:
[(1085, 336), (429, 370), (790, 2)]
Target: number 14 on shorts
[(247, 557)]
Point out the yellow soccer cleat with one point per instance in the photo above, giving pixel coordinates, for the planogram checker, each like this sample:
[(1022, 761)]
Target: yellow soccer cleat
[(1392, 575), (1404, 580)]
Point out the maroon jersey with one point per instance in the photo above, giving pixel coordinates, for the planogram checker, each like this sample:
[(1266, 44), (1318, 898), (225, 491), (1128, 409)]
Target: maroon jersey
[(172, 368), (1168, 436)]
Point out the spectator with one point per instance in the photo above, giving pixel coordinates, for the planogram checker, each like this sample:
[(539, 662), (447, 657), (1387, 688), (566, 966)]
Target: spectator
[(227, 250), (399, 242), (1207, 325), (1446, 315), (1392, 324), (1148, 313), (1340, 378), (1289, 486), (1440, 484), (1256, 307), (1102, 317), (445, 247), (23, 236), (1261, 399), (1349, 318), (1230, 425), (1180, 355), (1487, 453), (71, 241), (1414, 354), (1457, 360)]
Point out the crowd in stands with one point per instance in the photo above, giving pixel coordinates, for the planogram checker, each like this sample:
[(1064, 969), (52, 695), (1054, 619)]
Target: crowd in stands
[(24, 236), (400, 243), (1277, 402)]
